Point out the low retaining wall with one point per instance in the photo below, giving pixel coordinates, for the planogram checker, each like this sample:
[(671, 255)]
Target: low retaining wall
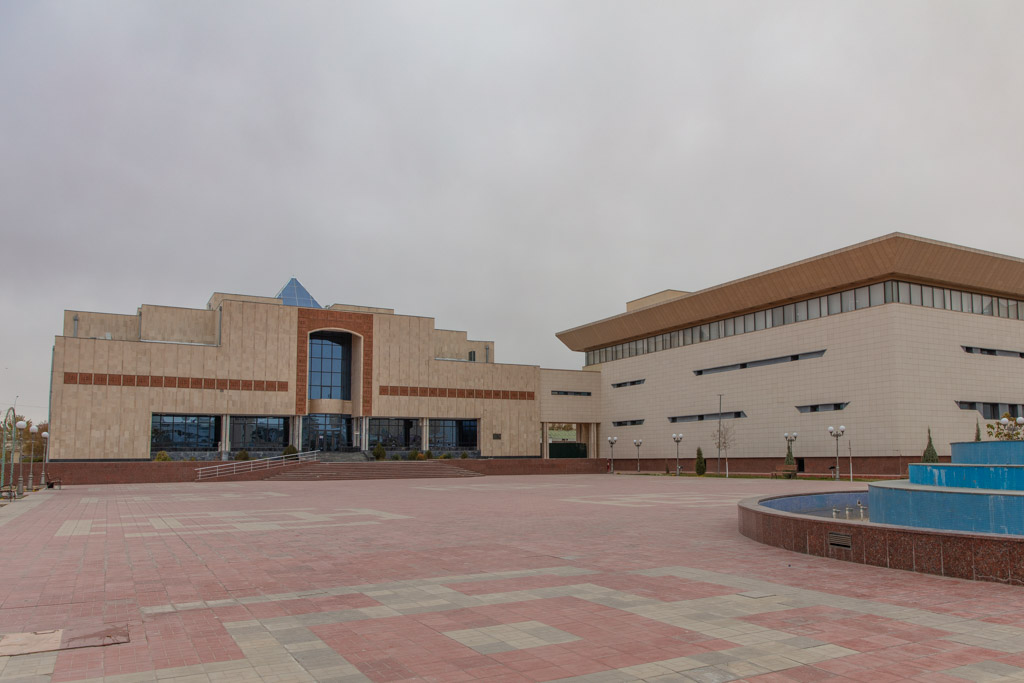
[(982, 557), (81, 473), (533, 466)]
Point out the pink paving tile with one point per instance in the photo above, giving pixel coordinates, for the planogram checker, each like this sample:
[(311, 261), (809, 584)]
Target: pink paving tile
[(109, 576)]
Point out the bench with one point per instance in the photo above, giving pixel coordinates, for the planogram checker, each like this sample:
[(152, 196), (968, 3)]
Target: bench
[(784, 472), (7, 491), (50, 483)]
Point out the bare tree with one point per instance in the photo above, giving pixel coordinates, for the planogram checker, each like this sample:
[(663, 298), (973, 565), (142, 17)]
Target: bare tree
[(724, 438)]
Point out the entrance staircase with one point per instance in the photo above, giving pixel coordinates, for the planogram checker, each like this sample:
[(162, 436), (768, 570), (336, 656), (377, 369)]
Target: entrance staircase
[(328, 471)]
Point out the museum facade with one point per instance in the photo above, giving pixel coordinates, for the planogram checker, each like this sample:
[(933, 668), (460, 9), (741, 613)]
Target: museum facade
[(888, 338)]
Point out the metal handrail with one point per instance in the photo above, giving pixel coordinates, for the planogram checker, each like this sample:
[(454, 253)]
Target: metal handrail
[(241, 466)]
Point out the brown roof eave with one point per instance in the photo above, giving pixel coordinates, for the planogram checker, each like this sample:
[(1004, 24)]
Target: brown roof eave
[(895, 256)]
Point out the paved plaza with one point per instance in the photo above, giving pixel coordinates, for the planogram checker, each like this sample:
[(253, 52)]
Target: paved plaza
[(591, 578)]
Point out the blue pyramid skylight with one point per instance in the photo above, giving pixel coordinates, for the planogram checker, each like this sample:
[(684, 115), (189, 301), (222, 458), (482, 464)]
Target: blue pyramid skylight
[(294, 294)]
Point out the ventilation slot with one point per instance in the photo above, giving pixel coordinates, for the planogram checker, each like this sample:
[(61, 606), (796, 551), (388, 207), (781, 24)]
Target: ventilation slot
[(837, 540)]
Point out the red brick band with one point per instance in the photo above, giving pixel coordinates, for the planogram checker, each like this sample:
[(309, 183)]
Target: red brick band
[(449, 392), (116, 380)]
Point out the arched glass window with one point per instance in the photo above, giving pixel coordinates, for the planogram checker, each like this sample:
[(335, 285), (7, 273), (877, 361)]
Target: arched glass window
[(330, 365)]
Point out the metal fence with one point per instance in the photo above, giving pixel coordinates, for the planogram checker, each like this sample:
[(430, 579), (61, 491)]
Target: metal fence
[(242, 466)]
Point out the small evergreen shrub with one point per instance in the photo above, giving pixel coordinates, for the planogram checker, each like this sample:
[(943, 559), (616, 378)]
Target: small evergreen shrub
[(929, 454), (162, 456), (701, 466), (430, 454), (242, 455), (421, 456), (378, 452), (413, 455), (977, 430), (464, 455), (290, 450), (446, 456)]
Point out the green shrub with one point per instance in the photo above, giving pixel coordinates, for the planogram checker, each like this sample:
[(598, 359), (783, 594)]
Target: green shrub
[(413, 455), (464, 455), (378, 452), (430, 454), (977, 430), (242, 455), (929, 454), (446, 456), (421, 456), (162, 456), (289, 450), (701, 466)]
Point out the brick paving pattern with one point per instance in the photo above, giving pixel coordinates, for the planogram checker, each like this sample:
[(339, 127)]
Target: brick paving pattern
[(589, 578)]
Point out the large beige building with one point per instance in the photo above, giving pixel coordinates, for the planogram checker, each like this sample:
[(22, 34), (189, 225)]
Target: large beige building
[(889, 338), (260, 373)]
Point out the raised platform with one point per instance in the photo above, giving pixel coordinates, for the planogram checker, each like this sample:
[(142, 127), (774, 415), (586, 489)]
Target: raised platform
[(982, 491), (781, 521)]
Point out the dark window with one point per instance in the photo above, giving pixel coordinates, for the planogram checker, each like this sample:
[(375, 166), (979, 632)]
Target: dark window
[(395, 433), (570, 393), (454, 435), (705, 417), (627, 423), (323, 432), (822, 407), (330, 365), (632, 383), (496, 437), (184, 432), (258, 433), (472, 356), (760, 362)]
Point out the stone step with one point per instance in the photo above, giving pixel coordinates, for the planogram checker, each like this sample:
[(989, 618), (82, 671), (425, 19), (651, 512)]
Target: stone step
[(375, 470)]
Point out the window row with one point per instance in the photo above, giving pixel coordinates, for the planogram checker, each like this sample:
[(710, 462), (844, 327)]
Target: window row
[(878, 294), (822, 407), (632, 383), (761, 363), (992, 411), (731, 415), (326, 432), (570, 393), (627, 423), (993, 352)]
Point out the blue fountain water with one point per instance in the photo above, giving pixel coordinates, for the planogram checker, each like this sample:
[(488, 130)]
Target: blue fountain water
[(982, 490)]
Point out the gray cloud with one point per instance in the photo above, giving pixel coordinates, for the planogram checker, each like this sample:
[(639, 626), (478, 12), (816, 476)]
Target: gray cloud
[(512, 169)]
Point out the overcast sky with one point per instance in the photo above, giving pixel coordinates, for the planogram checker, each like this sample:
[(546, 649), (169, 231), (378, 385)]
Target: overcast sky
[(511, 169)]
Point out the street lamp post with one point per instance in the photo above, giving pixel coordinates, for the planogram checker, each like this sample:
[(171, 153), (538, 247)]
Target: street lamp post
[(637, 443), (790, 438), (35, 430), (611, 445), (46, 456), (21, 484), (836, 434), (677, 438), (1012, 427)]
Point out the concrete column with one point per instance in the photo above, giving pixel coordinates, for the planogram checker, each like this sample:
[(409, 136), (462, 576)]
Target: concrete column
[(544, 450), (364, 438), (297, 432), (225, 434), (425, 433)]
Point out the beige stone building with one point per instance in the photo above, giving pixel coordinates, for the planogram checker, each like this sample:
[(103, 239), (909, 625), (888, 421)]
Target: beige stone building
[(888, 338), (260, 373)]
